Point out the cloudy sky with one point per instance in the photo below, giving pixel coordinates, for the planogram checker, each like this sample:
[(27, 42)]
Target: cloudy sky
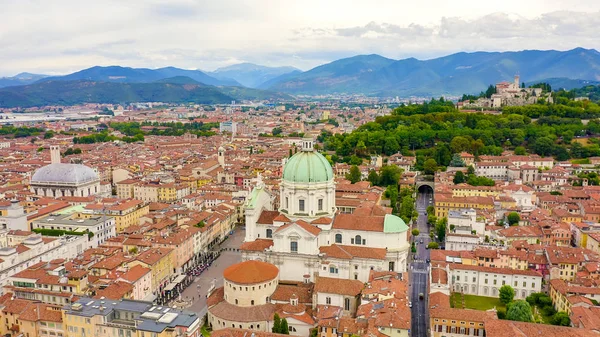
[(62, 36)]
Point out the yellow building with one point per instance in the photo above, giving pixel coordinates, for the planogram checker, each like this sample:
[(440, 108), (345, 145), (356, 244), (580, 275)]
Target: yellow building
[(444, 204), (29, 318), (127, 318), (465, 190), (456, 322), (167, 193), (126, 213), (125, 188), (160, 261)]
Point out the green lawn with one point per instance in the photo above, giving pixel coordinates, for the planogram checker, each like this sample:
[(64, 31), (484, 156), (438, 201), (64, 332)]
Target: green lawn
[(476, 302)]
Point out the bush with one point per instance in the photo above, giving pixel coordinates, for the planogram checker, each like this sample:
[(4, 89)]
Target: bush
[(415, 232)]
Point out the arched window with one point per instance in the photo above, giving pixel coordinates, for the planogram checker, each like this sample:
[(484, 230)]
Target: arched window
[(287, 203), (252, 302), (236, 301), (357, 240), (269, 233), (338, 238)]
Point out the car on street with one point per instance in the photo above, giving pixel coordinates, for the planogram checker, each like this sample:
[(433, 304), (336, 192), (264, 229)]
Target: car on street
[(421, 241), (410, 304), (421, 296), (428, 260)]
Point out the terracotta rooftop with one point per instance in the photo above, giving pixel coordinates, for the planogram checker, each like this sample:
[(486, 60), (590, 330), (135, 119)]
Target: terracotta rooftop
[(251, 272)]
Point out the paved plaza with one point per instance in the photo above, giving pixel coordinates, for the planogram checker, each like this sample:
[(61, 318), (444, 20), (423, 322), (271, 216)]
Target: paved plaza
[(230, 255)]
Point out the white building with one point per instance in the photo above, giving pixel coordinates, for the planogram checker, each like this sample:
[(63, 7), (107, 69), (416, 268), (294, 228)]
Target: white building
[(306, 234), (101, 227), (36, 248), (58, 179), (487, 281), (13, 217)]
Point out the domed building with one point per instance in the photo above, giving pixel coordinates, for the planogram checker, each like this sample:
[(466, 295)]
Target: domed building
[(60, 179), (307, 236), (307, 186), (246, 300)]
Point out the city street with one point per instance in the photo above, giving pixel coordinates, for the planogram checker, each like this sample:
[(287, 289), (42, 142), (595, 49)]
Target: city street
[(198, 289), (419, 270)]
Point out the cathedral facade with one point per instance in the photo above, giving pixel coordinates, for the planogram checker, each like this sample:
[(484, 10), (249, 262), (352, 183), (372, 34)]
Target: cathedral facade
[(307, 236)]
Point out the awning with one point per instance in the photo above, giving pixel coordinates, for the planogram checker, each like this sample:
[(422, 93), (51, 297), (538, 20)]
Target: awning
[(179, 279), (170, 286)]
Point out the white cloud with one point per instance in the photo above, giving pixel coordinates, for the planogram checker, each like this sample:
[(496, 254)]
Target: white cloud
[(67, 35)]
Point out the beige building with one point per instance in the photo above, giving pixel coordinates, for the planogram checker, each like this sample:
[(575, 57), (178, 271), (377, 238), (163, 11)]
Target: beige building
[(244, 301)]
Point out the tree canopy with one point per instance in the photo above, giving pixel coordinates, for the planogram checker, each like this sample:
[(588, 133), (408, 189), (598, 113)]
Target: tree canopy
[(520, 311), (507, 293)]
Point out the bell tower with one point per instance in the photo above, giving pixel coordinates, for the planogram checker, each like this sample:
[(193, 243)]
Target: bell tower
[(221, 158)]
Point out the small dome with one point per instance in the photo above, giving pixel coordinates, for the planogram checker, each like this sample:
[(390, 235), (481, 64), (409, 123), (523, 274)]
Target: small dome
[(64, 173), (251, 272), (307, 167)]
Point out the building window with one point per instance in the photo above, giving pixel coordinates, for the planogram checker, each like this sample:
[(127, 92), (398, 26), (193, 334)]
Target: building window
[(287, 202), (357, 240), (333, 270), (346, 304), (320, 206), (252, 302), (269, 233), (338, 238), (327, 300), (301, 205), (294, 246)]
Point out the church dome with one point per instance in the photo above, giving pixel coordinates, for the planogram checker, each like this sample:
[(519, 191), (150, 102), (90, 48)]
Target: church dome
[(61, 173), (307, 167)]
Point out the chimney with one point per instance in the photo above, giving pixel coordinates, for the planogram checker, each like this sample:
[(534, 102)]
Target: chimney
[(54, 154)]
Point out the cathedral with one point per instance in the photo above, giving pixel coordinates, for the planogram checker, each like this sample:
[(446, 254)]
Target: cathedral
[(308, 237)]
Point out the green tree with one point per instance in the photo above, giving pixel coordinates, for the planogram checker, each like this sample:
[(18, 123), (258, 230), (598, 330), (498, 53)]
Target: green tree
[(415, 232), (520, 151), (513, 218), (440, 229), (457, 161), (373, 178), (430, 166), (354, 175), (407, 208), (459, 178), (276, 131), (48, 134), (544, 146), (520, 311), (284, 328), (391, 192), (470, 170), (276, 324), (561, 318), (459, 144), (507, 294), (391, 146), (389, 175), (433, 245)]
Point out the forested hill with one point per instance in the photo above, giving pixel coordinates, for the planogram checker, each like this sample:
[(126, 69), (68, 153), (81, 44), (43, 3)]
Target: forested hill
[(437, 130)]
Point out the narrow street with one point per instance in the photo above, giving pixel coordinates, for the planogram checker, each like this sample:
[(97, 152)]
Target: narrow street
[(419, 269)]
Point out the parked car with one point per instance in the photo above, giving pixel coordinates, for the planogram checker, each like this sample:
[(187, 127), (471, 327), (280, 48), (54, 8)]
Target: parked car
[(421, 296), (410, 304)]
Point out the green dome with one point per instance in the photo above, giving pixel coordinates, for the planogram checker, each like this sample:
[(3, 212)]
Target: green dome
[(307, 167)]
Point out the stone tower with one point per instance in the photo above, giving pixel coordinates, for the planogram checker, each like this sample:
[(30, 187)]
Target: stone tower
[(221, 157), (54, 154)]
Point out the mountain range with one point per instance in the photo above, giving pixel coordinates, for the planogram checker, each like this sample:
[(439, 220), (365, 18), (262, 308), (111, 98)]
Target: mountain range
[(252, 75), (450, 75), (371, 75)]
